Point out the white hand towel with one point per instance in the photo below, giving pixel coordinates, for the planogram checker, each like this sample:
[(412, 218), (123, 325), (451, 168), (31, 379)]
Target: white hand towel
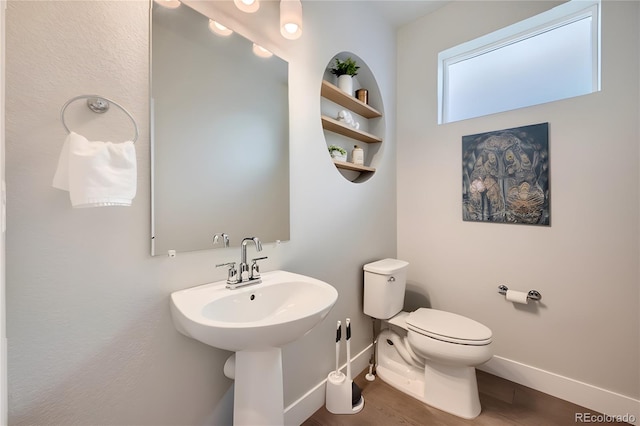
[(97, 173)]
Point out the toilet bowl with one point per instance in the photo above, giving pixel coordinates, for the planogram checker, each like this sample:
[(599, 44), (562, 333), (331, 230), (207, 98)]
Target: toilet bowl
[(429, 354)]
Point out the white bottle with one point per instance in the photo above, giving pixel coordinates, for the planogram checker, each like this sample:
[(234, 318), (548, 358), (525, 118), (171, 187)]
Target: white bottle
[(357, 155)]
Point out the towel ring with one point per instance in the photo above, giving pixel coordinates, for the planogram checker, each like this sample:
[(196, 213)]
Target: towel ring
[(99, 105)]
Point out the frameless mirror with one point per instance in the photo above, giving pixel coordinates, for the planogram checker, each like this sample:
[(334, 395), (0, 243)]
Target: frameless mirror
[(219, 134)]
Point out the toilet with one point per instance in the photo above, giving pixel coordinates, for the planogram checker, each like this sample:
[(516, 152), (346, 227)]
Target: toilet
[(428, 354)]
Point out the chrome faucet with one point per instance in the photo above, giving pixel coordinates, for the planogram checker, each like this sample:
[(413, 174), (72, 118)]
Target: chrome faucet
[(225, 239), (244, 275), (244, 267)]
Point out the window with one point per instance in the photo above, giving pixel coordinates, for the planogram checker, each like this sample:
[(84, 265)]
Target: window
[(551, 56)]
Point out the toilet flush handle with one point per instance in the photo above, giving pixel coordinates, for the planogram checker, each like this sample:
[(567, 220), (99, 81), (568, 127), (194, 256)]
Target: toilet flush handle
[(391, 280)]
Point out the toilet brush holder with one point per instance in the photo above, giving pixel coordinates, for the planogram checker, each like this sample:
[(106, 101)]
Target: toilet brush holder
[(339, 395)]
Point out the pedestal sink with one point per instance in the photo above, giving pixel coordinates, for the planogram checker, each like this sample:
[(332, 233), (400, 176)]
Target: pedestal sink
[(255, 322)]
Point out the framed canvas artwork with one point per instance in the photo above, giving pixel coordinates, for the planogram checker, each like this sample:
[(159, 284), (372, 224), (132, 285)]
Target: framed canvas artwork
[(505, 176)]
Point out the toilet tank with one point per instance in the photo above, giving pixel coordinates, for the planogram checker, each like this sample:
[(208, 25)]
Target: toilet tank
[(384, 285)]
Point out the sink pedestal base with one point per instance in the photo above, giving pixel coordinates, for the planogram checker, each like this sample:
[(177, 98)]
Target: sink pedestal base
[(258, 392)]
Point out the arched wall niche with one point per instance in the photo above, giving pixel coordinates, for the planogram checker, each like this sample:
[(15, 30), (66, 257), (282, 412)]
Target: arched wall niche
[(369, 115)]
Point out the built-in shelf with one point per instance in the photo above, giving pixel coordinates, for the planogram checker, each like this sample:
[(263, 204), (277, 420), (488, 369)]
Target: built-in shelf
[(350, 166), (334, 99), (336, 126), (334, 94)]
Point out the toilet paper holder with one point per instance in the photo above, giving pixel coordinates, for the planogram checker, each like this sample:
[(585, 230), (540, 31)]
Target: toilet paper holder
[(531, 295)]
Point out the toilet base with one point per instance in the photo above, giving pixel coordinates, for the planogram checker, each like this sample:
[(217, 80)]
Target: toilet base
[(452, 389), (393, 370), (447, 388)]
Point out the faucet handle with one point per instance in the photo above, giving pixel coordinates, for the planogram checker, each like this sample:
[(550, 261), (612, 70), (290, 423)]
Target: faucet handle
[(255, 269), (232, 276)]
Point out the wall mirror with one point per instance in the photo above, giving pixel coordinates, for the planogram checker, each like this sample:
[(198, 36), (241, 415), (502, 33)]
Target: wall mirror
[(219, 136)]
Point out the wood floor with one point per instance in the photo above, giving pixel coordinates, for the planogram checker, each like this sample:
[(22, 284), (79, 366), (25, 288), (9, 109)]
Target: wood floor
[(504, 403)]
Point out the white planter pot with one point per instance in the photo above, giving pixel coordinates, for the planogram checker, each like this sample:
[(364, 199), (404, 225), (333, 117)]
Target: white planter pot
[(337, 156), (345, 83)]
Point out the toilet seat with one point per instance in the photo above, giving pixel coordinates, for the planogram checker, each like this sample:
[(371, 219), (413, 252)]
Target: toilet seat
[(448, 327)]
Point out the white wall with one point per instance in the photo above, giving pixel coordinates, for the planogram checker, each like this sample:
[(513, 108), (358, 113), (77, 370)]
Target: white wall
[(586, 263), (3, 322), (90, 335)]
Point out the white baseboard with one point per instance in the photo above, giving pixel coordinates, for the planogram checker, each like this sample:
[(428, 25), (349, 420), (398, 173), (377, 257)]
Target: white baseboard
[(583, 394), (304, 407)]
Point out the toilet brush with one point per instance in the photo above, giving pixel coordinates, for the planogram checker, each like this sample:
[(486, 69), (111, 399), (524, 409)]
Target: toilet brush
[(338, 338), (342, 395), (348, 325), (356, 392)]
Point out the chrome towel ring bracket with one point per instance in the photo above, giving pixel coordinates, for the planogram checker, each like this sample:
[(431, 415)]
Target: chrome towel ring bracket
[(99, 105)]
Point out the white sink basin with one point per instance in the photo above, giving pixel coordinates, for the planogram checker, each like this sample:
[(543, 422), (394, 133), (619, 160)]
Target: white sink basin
[(281, 309), (255, 322)]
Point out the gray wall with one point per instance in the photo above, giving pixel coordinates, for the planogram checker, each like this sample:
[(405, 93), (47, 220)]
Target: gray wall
[(585, 264), (3, 318), (90, 334)]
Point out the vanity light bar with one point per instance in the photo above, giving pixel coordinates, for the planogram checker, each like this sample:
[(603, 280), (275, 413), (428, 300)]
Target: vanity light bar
[(290, 19)]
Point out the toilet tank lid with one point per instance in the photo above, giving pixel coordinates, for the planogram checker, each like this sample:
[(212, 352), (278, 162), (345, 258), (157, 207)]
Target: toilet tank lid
[(386, 266)]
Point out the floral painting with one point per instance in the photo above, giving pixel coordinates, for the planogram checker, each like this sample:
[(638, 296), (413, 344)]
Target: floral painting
[(505, 176)]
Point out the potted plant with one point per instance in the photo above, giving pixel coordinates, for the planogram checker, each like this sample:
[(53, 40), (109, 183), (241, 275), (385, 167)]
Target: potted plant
[(345, 70), (338, 153)]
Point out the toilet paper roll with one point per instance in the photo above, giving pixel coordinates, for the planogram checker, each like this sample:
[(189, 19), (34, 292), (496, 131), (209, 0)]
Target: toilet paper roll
[(517, 296)]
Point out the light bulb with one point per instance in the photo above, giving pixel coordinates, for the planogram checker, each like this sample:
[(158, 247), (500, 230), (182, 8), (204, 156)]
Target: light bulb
[(291, 19), (291, 28), (261, 51), (169, 4), (218, 28), (248, 6)]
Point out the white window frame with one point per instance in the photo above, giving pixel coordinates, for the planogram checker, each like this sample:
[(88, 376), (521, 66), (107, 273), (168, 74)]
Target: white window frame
[(559, 16)]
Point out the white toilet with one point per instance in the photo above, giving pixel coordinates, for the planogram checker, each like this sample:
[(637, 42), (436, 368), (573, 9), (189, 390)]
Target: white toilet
[(428, 354)]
